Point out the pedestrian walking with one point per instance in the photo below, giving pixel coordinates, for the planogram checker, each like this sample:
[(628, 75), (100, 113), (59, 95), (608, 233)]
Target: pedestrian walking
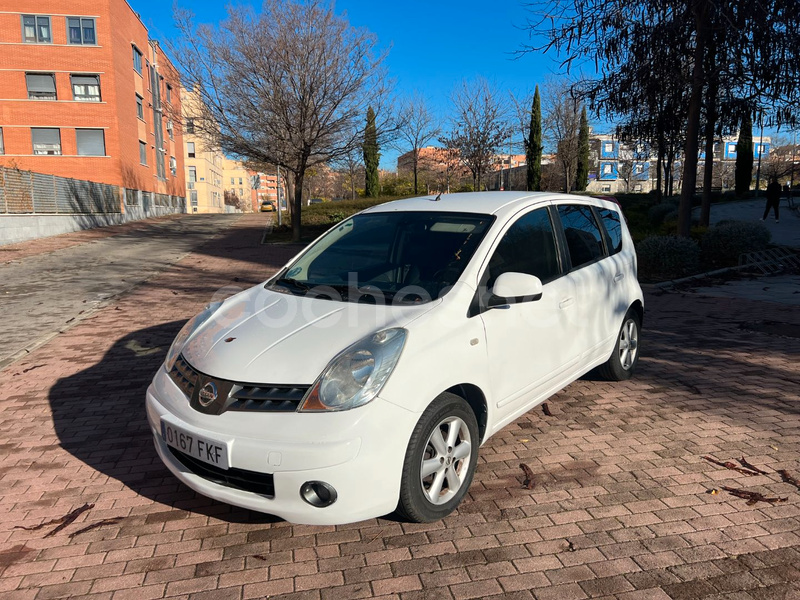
[(773, 199)]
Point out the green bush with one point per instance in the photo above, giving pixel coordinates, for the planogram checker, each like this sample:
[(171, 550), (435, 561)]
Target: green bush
[(723, 243), (658, 212), (665, 257)]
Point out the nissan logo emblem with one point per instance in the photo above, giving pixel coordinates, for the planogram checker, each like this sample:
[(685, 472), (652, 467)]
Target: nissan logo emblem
[(207, 394)]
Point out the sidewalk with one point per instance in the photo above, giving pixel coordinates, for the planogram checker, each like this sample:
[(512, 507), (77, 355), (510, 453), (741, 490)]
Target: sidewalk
[(9, 252), (785, 233), (620, 508)]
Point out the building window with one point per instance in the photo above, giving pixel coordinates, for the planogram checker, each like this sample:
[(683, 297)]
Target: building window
[(137, 60), (86, 88), (173, 166), (189, 125), (190, 149), (46, 141), (91, 142), (81, 31), (2, 147), (139, 107), (170, 130), (193, 198), (169, 93), (192, 174), (36, 29), (41, 86), (240, 181), (233, 181), (142, 152)]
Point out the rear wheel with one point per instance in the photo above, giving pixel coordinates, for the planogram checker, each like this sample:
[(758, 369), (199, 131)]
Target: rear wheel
[(625, 356), (440, 460)]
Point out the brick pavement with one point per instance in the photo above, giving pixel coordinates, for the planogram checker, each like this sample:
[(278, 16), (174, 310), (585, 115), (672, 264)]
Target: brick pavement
[(619, 509)]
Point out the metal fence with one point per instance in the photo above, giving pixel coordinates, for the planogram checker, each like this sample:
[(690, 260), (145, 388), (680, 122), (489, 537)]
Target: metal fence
[(26, 192)]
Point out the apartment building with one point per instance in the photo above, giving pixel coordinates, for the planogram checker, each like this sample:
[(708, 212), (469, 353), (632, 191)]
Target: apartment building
[(238, 181), (617, 167), (86, 94), (204, 163)]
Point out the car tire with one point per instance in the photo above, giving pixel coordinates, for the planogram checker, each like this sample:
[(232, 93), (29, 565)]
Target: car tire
[(430, 497), (625, 356)]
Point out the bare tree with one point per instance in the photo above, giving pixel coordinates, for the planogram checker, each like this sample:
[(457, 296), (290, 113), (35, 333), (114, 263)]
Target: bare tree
[(521, 126), (561, 125), (478, 127), (416, 126), (288, 86), (352, 165)]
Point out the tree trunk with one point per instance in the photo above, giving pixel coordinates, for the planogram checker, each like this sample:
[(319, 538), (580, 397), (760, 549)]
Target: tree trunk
[(711, 122), (700, 10), (659, 166), (298, 203), (416, 164)]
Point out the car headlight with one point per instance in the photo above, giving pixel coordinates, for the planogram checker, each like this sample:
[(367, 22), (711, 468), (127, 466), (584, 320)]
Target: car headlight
[(357, 374), (186, 332)]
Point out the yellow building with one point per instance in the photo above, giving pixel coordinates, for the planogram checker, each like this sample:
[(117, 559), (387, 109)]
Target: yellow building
[(203, 164), (237, 180)]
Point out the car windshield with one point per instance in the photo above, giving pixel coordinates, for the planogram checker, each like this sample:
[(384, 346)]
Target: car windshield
[(397, 257)]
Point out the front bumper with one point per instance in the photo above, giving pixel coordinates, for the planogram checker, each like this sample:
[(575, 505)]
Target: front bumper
[(359, 452)]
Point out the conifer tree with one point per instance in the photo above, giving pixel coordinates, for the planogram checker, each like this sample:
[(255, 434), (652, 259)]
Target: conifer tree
[(533, 148), (582, 175), (371, 156)]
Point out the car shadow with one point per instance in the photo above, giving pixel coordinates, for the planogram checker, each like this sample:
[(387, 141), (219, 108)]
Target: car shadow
[(99, 418)]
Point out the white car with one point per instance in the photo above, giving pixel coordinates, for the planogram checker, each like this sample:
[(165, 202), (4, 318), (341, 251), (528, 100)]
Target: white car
[(363, 377)]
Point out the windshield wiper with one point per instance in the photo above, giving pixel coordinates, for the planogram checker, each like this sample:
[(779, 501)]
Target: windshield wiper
[(293, 284)]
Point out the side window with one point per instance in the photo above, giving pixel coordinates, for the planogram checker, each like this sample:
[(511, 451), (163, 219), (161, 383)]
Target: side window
[(584, 240), (527, 247), (613, 226)]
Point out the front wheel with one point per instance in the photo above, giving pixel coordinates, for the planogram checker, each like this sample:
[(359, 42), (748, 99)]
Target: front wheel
[(440, 460), (625, 356)]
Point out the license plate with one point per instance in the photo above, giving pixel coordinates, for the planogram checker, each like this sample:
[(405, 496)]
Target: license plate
[(199, 447)]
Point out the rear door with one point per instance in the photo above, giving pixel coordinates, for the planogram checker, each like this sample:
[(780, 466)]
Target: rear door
[(592, 274)]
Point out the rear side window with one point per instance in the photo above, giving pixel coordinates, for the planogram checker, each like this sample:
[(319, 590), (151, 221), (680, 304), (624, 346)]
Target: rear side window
[(584, 240), (613, 227), (528, 247)]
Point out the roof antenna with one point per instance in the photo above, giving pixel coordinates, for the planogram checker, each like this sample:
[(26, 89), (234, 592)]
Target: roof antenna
[(439, 197)]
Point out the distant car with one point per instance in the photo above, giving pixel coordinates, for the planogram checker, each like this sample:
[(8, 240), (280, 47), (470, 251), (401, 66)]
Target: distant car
[(315, 201), (267, 206), (363, 377)]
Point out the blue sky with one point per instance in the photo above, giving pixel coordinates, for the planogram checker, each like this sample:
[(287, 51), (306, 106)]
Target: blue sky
[(433, 46)]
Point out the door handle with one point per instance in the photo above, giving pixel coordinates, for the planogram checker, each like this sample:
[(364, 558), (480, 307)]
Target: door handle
[(619, 277), (566, 302)]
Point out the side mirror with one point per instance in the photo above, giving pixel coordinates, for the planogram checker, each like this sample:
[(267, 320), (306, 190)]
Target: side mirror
[(513, 288)]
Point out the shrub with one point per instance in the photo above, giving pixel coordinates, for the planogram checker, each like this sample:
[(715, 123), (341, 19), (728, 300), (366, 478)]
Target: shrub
[(723, 243), (658, 212), (665, 257)]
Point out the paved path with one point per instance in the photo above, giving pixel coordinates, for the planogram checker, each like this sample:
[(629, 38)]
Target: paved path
[(620, 508), (57, 281), (785, 233)]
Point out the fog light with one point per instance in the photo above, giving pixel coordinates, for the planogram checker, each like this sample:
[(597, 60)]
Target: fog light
[(318, 493)]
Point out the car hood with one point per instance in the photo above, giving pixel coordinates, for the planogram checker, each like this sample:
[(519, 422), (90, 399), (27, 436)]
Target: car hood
[(262, 336)]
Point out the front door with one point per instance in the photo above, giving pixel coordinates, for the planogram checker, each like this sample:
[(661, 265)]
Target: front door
[(528, 344)]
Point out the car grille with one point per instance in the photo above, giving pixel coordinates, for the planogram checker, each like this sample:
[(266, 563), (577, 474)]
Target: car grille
[(184, 376), (266, 398), (241, 479), (236, 396)]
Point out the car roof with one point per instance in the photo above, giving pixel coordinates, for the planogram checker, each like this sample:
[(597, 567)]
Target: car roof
[(492, 203)]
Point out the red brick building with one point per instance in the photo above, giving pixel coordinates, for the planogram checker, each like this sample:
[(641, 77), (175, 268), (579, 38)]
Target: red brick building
[(86, 94)]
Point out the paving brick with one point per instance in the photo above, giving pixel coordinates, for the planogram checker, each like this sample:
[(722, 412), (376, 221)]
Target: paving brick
[(622, 477)]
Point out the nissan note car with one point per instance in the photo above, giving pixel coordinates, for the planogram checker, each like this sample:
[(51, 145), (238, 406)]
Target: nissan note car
[(363, 377)]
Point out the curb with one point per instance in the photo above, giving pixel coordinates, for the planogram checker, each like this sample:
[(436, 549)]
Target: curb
[(674, 282)]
